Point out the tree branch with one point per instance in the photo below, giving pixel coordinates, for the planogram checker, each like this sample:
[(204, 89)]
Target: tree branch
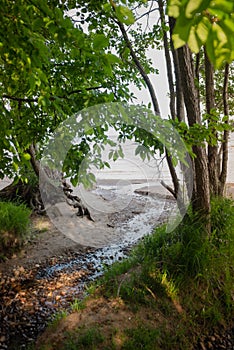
[(168, 188), (52, 98), (140, 69), (20, 99)]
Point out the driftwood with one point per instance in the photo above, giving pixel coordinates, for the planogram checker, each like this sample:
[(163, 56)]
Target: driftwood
[(75, 201)]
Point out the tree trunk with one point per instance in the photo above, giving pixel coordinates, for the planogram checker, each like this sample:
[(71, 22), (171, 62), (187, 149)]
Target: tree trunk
[(212, 149), (24, 193), (223, 174), (202, 195), (180, 112), (34, 161), (178, 80), (168, 61), (29, 192)]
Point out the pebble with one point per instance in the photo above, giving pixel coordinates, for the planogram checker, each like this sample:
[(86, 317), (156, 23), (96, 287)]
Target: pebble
[(217, 341), (31, 298)]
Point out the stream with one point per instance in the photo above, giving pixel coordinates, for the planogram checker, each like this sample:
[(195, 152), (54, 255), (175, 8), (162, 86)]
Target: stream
[(30, 298)]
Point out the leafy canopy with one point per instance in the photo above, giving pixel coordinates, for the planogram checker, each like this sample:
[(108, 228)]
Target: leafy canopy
[(205, 22), (49, 69)]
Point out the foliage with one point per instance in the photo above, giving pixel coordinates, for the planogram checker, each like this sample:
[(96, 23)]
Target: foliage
[(186, 253), (208, 23), (14, 222), (203, 134), (50, 69), (59, 58)]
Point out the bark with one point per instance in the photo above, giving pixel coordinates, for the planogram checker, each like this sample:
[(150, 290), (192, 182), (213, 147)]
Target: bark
[(180, 110), (191, 94), (178, 80), (202, 195), (212, 149), (34, 161), (223, 174), (168, 61), (23, 193)]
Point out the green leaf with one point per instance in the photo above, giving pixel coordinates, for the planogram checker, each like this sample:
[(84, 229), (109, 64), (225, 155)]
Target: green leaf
[(110, 154), (138, 150), (121, 154), (193, 41), (124, 15), (178, 42), (203, 29), (15, 166), (173, 8), (107, 164), (226, 6), (182, 30), (42, 101), (26, 156), (115, 156), (112, 59), (74, 181), (107, 7), (92, 177), (194, 7), (111, 143), (206, 22), (100, 41)]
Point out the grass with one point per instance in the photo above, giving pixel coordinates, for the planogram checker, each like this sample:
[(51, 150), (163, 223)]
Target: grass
[(77, 305), (14, 223), (57, 317), (183, 265), (84, 339), (175, 287), (141, 338)]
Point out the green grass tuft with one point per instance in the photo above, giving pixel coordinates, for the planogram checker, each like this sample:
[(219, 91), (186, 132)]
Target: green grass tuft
[(84, 339), (14, 224), (141, 338)]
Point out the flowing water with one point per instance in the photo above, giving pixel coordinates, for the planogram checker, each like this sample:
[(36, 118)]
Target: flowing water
[(142, 215)]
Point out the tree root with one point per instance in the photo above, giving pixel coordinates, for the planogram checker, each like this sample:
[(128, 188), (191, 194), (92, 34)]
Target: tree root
[(31, 195)]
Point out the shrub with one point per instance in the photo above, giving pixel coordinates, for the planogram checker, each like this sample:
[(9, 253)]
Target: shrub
[(14, 222), (187, 252)]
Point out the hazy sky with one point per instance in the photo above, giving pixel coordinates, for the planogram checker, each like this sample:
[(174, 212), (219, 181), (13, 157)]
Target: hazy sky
[(159, 82)]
